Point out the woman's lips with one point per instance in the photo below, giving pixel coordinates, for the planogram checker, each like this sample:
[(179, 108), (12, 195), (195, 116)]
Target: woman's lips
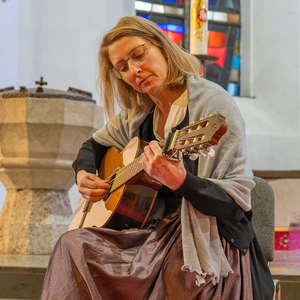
[(144, 80)]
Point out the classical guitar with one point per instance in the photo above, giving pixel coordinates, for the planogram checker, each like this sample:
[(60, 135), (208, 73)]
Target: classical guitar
[(133, 192)]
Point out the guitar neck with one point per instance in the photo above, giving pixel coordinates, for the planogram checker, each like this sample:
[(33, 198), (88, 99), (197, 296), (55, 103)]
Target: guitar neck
[(191, 139), (130, 171), (126, 174)]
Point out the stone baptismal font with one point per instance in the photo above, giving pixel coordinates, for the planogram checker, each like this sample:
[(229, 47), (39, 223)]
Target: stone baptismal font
[(41, 131)]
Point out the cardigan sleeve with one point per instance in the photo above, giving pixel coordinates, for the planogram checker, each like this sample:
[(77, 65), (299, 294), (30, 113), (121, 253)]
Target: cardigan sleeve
[(89, 157), (209, 198)]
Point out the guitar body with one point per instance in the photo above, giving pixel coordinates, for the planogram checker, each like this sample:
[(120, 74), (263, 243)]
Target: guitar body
[(129, 205)]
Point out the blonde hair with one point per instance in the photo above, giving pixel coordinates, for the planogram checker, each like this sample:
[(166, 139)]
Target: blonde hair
[(114, 90)]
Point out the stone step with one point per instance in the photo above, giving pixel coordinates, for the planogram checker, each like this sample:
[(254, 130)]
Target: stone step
[(21, 282), (22, 276)]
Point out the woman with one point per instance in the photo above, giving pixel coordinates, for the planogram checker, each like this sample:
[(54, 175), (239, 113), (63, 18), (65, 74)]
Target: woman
[(199, 242)]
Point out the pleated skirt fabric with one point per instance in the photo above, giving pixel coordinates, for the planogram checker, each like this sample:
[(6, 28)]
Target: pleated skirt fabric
[(99, 263)]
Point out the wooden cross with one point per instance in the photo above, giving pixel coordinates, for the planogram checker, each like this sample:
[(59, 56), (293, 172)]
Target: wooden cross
[(41, 82)]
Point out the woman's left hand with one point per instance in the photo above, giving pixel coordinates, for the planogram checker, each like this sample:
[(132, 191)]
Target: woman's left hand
[(171, 173)]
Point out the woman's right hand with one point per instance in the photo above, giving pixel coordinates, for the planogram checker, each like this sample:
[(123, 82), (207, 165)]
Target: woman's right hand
[(91, 187)]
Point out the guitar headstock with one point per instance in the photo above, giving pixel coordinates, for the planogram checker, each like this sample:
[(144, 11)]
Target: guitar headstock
[(196, 137)]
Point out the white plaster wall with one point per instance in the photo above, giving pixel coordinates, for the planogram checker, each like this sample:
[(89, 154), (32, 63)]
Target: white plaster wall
[(275, 58), (270, 79), (60, 40), (287, 204), (270, 88), (8, 43), (57, 40)]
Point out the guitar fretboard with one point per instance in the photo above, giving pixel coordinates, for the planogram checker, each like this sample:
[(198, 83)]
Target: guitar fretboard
[(126, 173)]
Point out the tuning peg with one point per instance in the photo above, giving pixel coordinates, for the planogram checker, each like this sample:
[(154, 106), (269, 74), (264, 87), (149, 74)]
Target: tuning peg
[(194, 156), (202, 154), (193, 153), (211, 153)]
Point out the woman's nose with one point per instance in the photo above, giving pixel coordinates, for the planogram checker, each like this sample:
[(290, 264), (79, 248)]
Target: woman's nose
[(134, 68)]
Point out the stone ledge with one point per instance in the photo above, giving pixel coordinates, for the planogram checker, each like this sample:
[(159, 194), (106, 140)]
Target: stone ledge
[(22, 276), (21, 283), (278, 174)]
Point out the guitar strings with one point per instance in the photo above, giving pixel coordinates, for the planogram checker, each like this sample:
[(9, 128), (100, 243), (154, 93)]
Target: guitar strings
[(122, 172), (133, 164)]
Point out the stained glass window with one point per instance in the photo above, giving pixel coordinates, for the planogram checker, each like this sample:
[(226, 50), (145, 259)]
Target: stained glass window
[(172, 16), (224, 35)]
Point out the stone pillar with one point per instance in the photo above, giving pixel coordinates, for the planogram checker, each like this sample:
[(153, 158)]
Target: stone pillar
[(40, 135)]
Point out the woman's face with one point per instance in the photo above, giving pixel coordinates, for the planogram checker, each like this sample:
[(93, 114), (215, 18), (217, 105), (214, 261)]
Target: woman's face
[(149, 76)]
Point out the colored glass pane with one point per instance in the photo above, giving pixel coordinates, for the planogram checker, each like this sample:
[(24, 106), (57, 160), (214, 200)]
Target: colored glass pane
[(234, 75), (176, 28), (174, 10), (220, 16), (235, 62), (210, 15), (226, 4), (219, 52), (236, 4), (158, 8), (217, 39), (234, 18), (233, 89), (140, 5), (162, 26), (174, 36), (237, 47), (200, 72), (212, 2), (172, 27)]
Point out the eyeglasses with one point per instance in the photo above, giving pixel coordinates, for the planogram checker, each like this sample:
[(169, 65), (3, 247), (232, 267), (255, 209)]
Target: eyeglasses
[(137, 56)]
